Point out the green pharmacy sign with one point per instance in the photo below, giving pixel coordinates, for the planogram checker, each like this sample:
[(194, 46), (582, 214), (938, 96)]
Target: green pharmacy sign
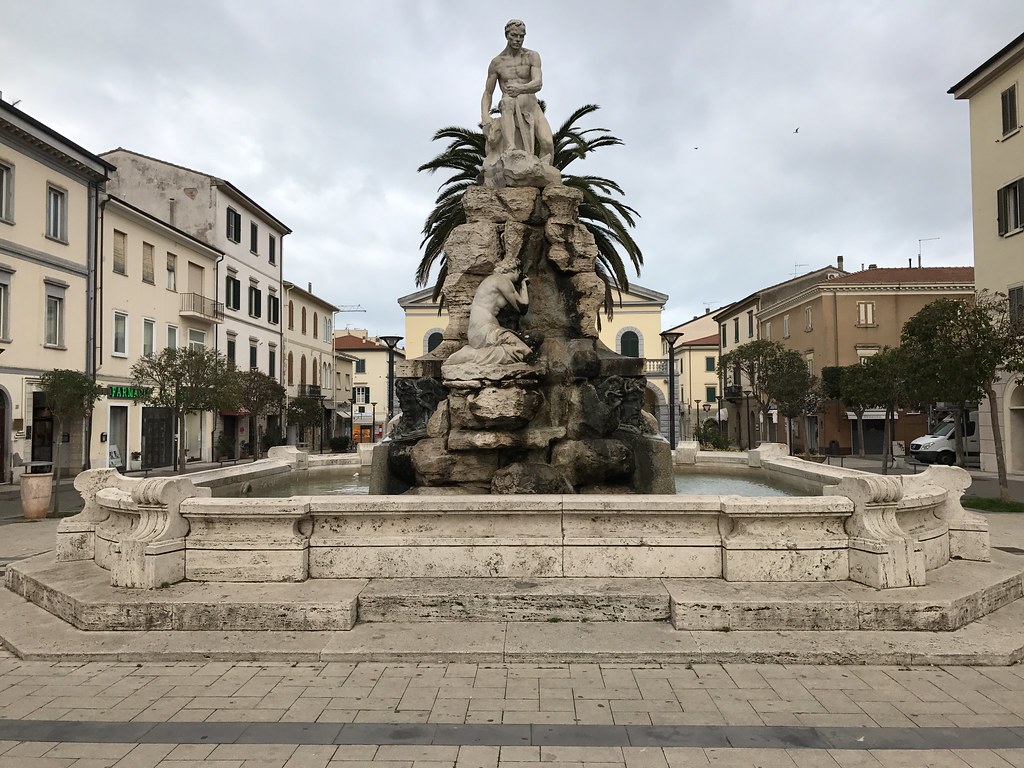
[(128, 393)]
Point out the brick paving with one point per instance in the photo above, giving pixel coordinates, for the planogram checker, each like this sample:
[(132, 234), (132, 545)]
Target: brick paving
[(286, 715)]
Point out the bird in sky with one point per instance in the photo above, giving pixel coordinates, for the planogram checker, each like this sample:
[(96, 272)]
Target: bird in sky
[(797, 129)]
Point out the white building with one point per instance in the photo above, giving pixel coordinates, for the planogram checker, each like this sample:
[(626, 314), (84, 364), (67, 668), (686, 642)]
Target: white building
[(49, 211), (309, 351), (248, 279)]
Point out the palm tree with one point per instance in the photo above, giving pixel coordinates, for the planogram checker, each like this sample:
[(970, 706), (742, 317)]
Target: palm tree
[(607, 218)]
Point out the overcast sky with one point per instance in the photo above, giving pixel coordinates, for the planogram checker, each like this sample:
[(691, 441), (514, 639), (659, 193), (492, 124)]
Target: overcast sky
[(322, 111)]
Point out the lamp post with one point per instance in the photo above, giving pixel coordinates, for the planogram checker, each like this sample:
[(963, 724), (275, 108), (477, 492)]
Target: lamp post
[(697, 412), (373, 424), (352, 420), (746, 414), (391, 342), (671, 337)]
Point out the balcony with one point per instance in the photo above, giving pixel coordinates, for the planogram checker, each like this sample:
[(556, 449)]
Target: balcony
[(733, 392), (199, 307), (309, 390), (656, 367)]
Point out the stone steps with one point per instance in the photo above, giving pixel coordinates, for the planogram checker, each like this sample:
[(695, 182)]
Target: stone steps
[(956, 595)]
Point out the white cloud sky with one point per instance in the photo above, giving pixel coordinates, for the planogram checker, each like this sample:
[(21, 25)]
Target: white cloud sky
[(322, 112)]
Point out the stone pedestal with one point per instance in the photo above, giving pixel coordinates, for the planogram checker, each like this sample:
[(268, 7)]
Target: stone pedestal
[(36, 491), (568, 418)]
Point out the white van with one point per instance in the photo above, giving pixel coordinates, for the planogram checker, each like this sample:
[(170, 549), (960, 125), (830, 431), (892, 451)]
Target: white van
[(940, 445)]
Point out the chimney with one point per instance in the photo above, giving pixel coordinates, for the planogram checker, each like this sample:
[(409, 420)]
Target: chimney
[(839, 262), (170, 211), (872, 266), (309, 287)]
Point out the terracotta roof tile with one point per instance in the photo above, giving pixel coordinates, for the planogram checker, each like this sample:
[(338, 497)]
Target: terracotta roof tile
[(907, 275)]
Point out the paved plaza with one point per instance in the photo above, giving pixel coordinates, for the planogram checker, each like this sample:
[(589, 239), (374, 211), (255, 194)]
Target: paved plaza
[(126, 709)]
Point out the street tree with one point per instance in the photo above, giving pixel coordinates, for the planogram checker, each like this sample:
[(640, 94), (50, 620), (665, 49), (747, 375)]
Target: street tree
[(257, 394), (856, 393), (306, 412), (185, 380), (887, 374), (601, 211), (70, 395), (788, 383)]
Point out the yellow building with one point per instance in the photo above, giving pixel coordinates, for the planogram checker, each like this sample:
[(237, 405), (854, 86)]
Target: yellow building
[(370, 382), (997, 190), (49, 212), (308, 351), (155, 290), (633, 329), (696, 355)]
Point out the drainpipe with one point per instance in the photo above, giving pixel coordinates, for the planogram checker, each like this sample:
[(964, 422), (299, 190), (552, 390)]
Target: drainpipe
[(94, 242)]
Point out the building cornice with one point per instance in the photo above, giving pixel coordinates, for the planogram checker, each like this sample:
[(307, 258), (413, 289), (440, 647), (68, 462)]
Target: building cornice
[(991, 69)]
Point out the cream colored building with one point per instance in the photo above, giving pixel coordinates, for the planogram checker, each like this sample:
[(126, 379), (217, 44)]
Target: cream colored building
[(993, 92), (49, 212), (633, 329), (696, 355), (308, 350), (369, 381), (156, 290), (249, 277)]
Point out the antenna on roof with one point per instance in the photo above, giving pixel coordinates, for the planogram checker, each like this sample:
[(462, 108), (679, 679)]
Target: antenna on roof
[(796, 269), (919, 241), (708, 305)]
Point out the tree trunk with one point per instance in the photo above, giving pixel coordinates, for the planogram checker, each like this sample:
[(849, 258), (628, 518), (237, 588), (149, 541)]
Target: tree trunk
[(860, 433), (958, 435), (59, 437), (254, 443), (997, 436), (886, 441), (789, 433), (181, 442)]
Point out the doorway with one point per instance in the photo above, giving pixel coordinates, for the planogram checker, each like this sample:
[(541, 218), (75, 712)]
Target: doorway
[(117, 438), (157, 437)]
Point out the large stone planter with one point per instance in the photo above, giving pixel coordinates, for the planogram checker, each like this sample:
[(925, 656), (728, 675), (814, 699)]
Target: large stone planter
[(35, 495)]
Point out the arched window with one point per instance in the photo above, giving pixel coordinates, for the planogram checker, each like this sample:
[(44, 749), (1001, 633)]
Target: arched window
[(302, 371), (315, 382), (291, 317), (303, 321), (629, 343), (433, 340), (291, 365), (316, 323)]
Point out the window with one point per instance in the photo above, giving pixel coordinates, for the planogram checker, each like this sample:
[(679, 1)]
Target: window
[(808, 319), (148, 276), (273, 309), (865, 313), (254, 237), (361, 394), (810, 363), (53, 330), (234, 226), (120, 257), (291, 365), (303, 321), (327, 328), (750, 323), (785, 326), (196, 339), (709, 364), (1009, 104), (231, 350), (56, 213), (253, 356), (315, 377), (302, 371), (291, 316), (316, 322), (710, 394), (6, 193), (736, 329), (5, 304), (629, 344), (172, 337), (120, 334), (272, 365), (1010, 202), (360, 366), (272, 249), (768, 331), (232, 292), (433, 340), (172, 272), (1014, 295), (255, 301), (148, 337), (725, 336)]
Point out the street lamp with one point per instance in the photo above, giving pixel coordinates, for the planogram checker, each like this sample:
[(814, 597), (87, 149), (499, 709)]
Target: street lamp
[(671, 337), (697, 412), (352, 421), (373, 424), (391, 342), (746, 414)]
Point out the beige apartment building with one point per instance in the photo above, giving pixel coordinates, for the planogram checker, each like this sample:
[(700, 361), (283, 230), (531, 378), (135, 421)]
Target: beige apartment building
[(843, 320), (156, 290), (696, 355), (50, 189), (309, 354), (370, 383), (738, 325), (248, 278), (997, 191), (634, 329)]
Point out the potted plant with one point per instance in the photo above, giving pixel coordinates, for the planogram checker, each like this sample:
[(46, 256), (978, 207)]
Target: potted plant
[(136, 461)]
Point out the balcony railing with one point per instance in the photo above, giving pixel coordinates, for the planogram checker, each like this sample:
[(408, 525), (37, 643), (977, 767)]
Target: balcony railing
[(309, 390), (197, 305), (733, 392), (655, 367)]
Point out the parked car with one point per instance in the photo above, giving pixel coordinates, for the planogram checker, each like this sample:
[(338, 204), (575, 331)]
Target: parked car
[(940, 446)]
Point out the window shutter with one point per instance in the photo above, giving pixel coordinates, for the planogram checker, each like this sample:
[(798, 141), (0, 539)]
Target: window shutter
[(147, 263)]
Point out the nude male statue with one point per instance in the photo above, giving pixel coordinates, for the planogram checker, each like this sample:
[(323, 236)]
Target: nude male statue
[(517, 71)]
